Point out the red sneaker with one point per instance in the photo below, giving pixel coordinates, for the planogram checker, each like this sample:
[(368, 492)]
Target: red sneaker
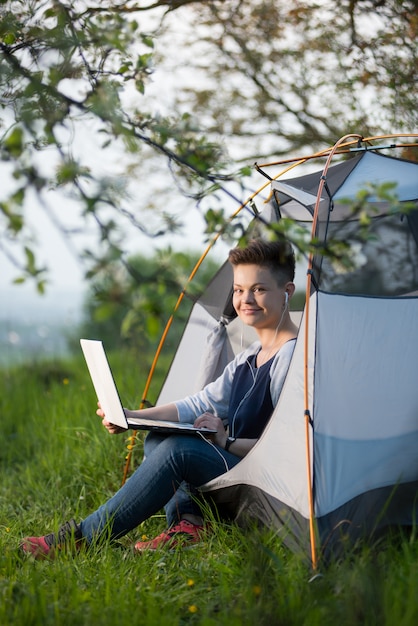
[(184, 534), (42, 547)]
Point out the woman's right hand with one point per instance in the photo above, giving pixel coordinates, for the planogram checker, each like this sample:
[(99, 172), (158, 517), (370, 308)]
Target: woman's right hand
[(111, 428)]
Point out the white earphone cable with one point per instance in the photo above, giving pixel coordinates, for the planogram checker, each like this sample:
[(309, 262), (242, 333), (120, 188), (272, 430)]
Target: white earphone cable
[(216, 450)]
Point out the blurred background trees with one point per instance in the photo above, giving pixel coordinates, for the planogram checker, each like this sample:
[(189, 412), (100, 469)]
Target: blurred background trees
[(128, 305)]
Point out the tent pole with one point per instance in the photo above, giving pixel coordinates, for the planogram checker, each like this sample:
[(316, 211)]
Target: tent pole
[(347, 145), (307, 414), (308, 422)]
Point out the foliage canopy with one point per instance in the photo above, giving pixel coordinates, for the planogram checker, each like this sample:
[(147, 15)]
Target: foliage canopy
[(85, 133)]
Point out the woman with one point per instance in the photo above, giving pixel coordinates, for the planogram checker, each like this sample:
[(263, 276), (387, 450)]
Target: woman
[(245, 394)]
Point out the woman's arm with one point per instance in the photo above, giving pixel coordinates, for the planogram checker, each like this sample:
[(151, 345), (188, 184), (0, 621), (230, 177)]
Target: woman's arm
[(166, 412), (240, 447)]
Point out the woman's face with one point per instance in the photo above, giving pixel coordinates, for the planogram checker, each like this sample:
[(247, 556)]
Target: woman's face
[(257, 298)]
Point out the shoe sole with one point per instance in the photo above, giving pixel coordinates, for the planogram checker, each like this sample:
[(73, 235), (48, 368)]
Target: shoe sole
[(168, 549)]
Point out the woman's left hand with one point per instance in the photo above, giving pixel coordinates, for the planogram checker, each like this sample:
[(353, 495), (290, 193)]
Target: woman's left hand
[(208, 420)]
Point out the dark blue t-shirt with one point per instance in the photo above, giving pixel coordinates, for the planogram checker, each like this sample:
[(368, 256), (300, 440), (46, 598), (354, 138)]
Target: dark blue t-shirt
[(250, 405)]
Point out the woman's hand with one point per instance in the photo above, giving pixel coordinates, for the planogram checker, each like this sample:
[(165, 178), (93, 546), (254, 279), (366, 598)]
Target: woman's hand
[(240, 447), (208, 420), (111, 428)]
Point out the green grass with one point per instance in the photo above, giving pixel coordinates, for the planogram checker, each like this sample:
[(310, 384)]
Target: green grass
[(56, 462)]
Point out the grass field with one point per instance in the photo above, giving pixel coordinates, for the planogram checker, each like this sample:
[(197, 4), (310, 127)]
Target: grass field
[(58, 462)]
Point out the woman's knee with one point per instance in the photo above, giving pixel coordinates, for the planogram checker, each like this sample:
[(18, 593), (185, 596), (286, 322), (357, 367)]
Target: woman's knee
[(152, 440)]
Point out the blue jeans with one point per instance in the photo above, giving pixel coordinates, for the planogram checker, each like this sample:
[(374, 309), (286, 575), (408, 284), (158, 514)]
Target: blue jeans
[(174, 460), (185, 499)]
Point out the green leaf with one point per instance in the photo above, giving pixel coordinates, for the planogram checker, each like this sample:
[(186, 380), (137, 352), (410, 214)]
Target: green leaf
[(123, 69), (68, 172), (40, 286), (30, 260), (15, 221), (14, 142), (139, 84), (9, 39), (153, 326), (18, 196), (19, 280), (50, 12), (147, 40)]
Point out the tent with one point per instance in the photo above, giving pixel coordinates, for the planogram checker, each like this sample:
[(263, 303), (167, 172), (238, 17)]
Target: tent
[(338, 460)]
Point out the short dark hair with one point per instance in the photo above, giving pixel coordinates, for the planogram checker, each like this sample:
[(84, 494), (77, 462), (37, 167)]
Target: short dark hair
[(277, 256)]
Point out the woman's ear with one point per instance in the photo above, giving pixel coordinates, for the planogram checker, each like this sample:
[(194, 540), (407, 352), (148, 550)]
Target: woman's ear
[(289, 290)]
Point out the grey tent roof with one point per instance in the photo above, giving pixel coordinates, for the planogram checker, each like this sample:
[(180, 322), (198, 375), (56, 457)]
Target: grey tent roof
[(297, 196)]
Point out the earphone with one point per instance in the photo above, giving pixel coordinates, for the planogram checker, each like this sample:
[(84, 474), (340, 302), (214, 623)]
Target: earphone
[(286, 299)]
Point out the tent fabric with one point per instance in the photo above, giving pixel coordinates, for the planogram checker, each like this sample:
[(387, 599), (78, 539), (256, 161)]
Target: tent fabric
[(379, 169), (361, 368), (248, 506), (365, 416), (182, 378), (378, 272), (216, 356), (343, 182)]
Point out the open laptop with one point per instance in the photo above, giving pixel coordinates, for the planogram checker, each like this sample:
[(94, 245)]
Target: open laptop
[(108, 396)]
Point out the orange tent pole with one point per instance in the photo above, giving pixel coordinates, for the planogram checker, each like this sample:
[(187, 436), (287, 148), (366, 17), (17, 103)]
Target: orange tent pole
[(307, 414), (342, 150)]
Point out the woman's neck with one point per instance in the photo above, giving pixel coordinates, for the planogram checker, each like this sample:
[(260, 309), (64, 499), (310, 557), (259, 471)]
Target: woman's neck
[(272, 341), (271, 337)]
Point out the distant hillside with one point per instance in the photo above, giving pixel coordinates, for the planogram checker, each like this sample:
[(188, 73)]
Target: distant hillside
[(33, 326)]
